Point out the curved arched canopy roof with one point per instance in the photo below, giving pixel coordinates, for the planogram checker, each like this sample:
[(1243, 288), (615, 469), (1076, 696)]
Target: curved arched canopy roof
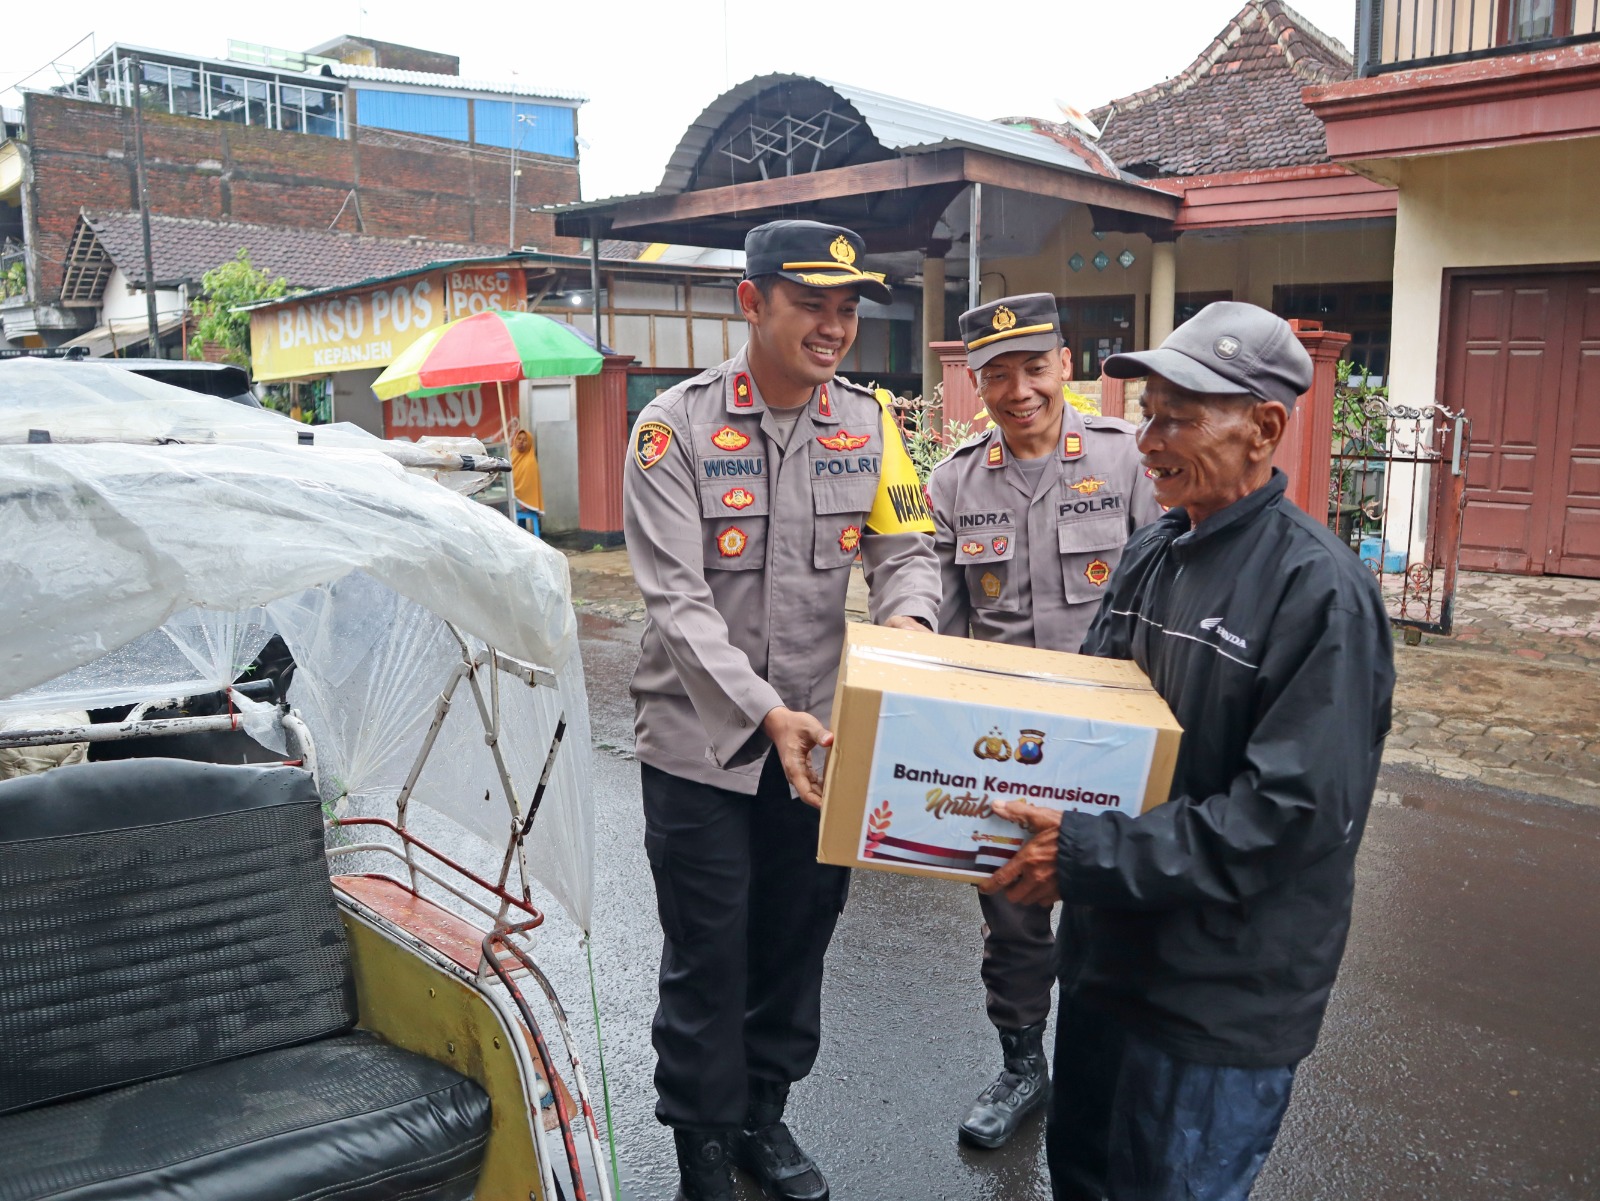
[(799, 146)]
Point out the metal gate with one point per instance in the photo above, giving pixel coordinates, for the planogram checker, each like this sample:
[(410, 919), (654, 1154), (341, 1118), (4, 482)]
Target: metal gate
[(1397, 496)]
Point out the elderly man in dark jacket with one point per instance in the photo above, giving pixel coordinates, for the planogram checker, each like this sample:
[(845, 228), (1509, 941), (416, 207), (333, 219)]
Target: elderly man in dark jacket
[(1210, 929)]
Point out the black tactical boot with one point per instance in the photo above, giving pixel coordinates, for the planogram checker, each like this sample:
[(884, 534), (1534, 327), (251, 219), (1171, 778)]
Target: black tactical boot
[(767, 1150), (1021, 1088), (702, 1166)]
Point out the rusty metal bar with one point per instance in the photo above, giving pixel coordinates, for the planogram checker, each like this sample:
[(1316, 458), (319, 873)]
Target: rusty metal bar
[(119, 731), (563, 1117), (411, 840)]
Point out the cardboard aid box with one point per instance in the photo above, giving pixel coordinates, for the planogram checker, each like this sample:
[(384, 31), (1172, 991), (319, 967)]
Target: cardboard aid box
[(929, 730)]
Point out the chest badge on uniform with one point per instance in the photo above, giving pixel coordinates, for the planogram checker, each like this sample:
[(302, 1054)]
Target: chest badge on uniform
[(845, 440), (1087, 487), (996, 455), (1000, 543), (650, 442), (731, 542), (1097, 573), (1072, 444), (849, 538), (824, 405), (1030, 747), (972, 548), (728, 438), (742, 399), (738, 498), (990, 583)]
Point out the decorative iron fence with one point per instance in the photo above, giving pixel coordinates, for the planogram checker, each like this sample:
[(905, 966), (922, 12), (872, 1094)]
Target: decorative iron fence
[(1396, 496)]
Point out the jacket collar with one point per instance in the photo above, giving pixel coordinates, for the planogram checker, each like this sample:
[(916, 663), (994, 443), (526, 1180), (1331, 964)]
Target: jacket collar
[(1239, 512)]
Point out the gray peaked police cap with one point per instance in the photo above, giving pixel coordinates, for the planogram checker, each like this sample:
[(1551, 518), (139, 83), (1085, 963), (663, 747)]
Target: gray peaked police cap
[(1226, 348), (813, 255), (1027, 322)]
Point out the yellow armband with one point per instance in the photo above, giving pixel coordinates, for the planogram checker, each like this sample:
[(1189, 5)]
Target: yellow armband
[(900, 507)]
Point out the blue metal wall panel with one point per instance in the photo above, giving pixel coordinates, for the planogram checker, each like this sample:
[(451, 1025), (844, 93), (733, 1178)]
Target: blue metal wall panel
[(551, 130), (413, 112)]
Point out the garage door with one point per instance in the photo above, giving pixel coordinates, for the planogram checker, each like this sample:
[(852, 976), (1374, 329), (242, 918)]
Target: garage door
[(1523, 359)]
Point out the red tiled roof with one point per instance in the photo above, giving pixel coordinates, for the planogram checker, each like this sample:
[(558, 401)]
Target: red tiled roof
[(184, 248), (1235, 108)]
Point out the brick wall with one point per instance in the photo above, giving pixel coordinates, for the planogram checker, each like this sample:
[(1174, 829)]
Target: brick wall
[(82, 157)]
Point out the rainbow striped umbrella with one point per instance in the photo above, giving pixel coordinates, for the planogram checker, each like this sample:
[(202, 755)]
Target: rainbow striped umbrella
[(495, 347)]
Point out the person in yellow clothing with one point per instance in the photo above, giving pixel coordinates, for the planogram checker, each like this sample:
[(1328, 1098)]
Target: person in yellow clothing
[(525, 474)]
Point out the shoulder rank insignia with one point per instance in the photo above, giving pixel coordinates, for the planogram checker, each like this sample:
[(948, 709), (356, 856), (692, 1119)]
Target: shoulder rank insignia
[(738, 498), (844, 440), (728, 438), (1000, 543), (990, 584), (996, 455), (1087, 487), (849, 538), (650, 442), (742, 398), (1097, 573), (824, 405), (731, 542), (972, 548), (1072, 444)]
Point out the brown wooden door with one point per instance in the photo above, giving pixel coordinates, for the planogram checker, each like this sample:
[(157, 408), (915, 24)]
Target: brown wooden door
[(1523, 360), (1573, 545)]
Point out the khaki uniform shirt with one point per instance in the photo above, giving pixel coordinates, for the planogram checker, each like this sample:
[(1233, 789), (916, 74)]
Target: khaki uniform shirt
[(742, 547), (1028, 565)]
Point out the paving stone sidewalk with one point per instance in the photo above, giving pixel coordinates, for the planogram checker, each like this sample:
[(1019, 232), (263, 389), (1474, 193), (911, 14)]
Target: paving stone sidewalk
[(1511, 699)]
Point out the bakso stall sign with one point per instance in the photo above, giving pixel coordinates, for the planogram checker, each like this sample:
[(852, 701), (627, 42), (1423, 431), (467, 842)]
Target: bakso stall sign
[(482, 289), (344, 332), (472, 413)]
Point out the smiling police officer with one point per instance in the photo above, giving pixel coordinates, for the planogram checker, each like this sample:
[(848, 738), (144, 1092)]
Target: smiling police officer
[(748, 492), (1031, 517)]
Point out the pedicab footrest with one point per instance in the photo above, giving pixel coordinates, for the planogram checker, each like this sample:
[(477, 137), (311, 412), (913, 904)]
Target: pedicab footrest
[(177, 1006)]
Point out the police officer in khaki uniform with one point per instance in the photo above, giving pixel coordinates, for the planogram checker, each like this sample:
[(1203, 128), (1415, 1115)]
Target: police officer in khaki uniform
[(1031, 518), (747, 496)]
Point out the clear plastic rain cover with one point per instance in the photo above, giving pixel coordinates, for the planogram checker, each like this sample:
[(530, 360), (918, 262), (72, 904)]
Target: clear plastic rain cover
[(133, 573)]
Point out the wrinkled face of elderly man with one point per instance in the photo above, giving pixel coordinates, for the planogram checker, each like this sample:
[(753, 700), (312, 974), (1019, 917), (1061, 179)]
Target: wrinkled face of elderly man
[(1204, 452)]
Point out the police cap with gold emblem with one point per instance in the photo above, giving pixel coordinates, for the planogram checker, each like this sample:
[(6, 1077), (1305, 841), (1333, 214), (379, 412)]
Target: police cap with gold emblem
[(1027, 322), (813, 255)]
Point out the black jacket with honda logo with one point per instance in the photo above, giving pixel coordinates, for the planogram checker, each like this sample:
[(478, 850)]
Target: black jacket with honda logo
[(1214, 924)]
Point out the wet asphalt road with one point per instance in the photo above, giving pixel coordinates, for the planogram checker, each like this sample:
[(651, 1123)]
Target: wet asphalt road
[(1460, 1059)]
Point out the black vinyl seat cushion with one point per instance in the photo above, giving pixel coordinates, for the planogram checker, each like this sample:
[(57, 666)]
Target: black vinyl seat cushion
[(346, 1118)]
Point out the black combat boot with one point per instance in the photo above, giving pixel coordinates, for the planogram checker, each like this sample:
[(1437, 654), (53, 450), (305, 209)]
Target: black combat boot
[(702, 1166), (1021, 1088), (767, 1150)]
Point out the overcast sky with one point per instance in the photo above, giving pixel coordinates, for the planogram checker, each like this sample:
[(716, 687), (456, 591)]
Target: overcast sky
[(650, 68)]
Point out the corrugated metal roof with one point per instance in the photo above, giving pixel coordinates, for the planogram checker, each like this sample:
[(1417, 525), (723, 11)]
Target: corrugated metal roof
[(428, 79), (898, 125)]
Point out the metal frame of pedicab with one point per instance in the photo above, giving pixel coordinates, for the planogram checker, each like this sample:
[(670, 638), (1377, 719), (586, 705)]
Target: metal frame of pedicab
[(477, 669)]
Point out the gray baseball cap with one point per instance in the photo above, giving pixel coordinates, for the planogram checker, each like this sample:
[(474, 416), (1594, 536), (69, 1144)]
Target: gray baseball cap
[(1226, 348)]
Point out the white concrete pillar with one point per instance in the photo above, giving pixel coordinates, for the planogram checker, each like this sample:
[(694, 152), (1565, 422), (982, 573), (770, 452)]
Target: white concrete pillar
[(1163, 289), (932, 322)]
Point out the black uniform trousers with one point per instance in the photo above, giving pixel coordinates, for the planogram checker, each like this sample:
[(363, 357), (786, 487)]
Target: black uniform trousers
[(746, 916), (1019, 961)]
